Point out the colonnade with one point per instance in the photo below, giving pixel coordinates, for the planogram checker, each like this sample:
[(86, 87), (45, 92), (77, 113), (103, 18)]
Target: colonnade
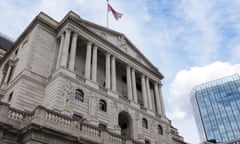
[(67, 60)]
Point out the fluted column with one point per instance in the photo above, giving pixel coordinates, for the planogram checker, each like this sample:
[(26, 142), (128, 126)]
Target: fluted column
[(144, 93), (88, 60), (108, 71), (113, 66), (1, 76), (161, 99), (73, 52), (60, 51), (6, 79), (149, 94), (65, 48), (156, 91), (129, 83), (134, 88), (94, 64)]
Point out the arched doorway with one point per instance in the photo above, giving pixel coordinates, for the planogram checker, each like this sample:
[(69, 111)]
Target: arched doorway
[(125, 123)]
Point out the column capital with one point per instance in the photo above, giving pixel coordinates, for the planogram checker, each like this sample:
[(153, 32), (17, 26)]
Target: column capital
[(107, 54), (68, 30), (95, 46), (133, 70), (75, 34), (89, 43)]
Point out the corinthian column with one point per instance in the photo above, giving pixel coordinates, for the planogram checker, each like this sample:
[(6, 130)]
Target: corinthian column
[(156, 91), (108, 71), (60, 51), (113, 66), (144, 93), (161, 99), (73, 52), (149, 94), (7, 77), (94, 64), (134, 88), (88, 60), (129, 83), (65, 49)]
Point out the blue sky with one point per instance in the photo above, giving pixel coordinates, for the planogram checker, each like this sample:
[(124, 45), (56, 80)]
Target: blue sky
[(190, 41)]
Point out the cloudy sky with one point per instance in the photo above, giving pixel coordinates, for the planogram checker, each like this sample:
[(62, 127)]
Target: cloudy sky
[(190, 41)]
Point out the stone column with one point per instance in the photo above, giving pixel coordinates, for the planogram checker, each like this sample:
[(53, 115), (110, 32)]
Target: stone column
[(129, 83), (7, 76), (161, 99), (73, 52), (134, 88), (88, 60), (64, 58), (113, 66), (149, 94), (60, 51), (144, 93), (156, 91), (94, 64), (108, 71)]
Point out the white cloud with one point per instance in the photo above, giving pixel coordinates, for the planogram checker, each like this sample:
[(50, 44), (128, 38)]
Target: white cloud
[(185, 80)]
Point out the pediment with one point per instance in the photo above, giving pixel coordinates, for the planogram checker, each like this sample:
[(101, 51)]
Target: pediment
[(121, 42)]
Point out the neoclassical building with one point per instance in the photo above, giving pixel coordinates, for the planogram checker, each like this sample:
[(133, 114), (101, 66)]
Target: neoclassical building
[(75, 82)]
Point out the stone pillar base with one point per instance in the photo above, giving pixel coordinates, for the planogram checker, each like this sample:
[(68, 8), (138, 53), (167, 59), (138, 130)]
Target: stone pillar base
[(136, 105), (112, 93), (151, 112), (92, 84)]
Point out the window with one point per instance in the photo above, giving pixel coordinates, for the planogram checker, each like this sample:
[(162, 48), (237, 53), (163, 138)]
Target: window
[(79, 95), (144, 123), (102, 126), (160, 130), (10, 97), (76, 117), (147, 142), (102, 105)]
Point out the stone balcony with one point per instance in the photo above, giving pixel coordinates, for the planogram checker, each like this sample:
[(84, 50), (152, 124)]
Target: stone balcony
[(46, 120)]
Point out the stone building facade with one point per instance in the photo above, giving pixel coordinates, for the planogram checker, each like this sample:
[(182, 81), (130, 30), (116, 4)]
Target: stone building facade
[(74, 81)]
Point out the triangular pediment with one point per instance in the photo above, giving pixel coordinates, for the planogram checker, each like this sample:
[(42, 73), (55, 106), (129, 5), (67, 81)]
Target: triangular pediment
[(121, 42)]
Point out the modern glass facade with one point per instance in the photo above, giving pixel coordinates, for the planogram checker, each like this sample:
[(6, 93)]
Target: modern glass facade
[(216, 107)]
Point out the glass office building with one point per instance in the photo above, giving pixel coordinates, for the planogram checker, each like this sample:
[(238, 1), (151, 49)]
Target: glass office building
[(216, 107)]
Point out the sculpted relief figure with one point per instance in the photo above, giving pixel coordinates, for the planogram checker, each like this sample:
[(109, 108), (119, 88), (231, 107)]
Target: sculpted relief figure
[(67, 93)]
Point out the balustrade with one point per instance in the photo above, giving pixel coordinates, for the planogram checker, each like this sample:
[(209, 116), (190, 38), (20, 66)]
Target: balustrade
[(49, 117), (15, 114)]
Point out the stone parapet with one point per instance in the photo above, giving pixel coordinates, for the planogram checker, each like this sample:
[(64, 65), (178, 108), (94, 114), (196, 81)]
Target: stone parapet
[(61, 125)]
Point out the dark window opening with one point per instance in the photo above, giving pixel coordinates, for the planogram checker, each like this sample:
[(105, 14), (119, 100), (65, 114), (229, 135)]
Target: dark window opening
[(160, 130), (79, 95), (10, 97), (102, 105), (145, 123)]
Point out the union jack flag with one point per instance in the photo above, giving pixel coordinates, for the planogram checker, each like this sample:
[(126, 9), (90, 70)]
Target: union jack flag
[(116, 14)]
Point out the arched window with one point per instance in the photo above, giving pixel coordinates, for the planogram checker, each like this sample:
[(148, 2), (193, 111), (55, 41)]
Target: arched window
[(160, 130), (79, 95), (102, 105), (144, 123)]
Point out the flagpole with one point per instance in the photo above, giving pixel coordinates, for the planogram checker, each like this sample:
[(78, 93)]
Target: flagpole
[(107, 15)]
